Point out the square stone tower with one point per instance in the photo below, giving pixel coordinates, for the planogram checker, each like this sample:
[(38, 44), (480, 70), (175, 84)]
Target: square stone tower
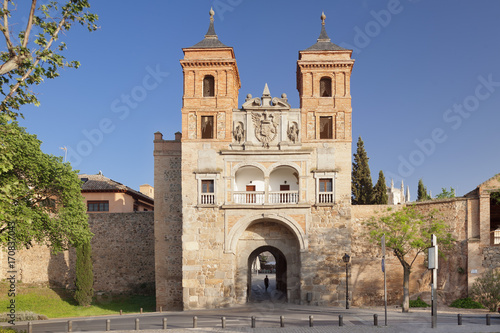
[(265, 177)]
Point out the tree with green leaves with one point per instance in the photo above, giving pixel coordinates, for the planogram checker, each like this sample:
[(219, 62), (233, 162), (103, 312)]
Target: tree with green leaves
[(445, 194), (33, 51), (362, 186), (422, 193), (380, 190), (486, 289), (39, 194), (408, 233), (84, 282)]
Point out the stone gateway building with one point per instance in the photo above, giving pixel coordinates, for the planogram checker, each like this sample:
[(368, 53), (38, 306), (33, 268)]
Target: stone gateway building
[(263, 177), (267, 177)]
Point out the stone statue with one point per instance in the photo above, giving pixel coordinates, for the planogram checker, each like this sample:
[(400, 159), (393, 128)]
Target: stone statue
[(239, 133), (293, 132)]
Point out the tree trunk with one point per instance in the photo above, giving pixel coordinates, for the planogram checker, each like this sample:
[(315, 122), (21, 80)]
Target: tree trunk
[(406, 288)]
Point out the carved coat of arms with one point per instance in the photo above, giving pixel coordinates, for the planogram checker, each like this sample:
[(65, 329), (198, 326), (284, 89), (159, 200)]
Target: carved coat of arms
[(266, 127)]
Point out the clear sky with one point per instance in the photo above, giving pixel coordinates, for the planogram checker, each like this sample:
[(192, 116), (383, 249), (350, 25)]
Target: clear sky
[(425, 85)]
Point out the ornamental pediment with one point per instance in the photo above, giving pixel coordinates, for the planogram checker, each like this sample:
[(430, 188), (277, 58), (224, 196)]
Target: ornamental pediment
[(266, 101)]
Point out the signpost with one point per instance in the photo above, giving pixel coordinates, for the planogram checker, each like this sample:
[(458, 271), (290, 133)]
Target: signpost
[(433, 264), (385, 284)]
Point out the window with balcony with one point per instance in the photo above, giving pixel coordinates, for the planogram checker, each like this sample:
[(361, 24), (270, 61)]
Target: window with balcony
[(326, 127), (206, 188), (325, 185), (325, 190)]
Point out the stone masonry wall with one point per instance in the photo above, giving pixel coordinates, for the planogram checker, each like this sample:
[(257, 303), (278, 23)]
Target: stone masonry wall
[(323, 271), (122, 254), (367, 276), (168, 223), (491, 257)]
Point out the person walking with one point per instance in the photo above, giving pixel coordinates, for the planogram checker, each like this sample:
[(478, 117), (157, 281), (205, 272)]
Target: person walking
[(266, 282)]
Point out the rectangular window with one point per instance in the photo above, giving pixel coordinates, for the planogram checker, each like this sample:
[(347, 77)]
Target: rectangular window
[(98, 206), (207, 186), (207, 127), (326, 127), (325, 185)]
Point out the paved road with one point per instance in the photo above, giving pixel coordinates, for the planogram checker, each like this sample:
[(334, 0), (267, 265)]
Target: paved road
[(325, 319)]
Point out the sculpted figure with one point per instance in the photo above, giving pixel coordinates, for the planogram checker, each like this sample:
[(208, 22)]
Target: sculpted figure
[(293, 132), (239, 133)]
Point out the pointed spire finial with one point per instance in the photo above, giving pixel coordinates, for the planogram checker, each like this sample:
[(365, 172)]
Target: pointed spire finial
[(212, 13), (266, 91), (323, 18)]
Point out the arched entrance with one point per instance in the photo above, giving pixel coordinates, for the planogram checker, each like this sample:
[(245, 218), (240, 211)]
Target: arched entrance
[(275, 237), (278, 291)]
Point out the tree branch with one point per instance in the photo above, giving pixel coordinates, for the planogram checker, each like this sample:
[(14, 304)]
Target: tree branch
[(37, 61), (30, 23), (5, 29)]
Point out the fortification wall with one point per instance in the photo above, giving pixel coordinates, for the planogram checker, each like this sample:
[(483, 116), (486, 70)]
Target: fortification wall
[(367, 276), (122, 254)]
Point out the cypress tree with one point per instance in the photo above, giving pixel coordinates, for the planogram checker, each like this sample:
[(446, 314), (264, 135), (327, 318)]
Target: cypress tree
[(362, 186), (84, 281), (422, 192), (380, 190)]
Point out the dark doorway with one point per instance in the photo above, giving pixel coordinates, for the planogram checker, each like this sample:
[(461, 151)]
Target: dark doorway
[(277, 291)]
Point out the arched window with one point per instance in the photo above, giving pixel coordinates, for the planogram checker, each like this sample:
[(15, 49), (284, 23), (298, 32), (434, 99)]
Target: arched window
[(208, 86), (325, 87)]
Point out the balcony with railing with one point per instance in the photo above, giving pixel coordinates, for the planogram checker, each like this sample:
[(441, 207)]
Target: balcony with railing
[(259, 197)]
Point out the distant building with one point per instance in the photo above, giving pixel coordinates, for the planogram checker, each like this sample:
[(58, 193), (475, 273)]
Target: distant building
[(106, 195), (396, 196), (147, 190)]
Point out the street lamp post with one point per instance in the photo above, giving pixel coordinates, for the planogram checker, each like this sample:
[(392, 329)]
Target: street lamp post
[(346, 258)]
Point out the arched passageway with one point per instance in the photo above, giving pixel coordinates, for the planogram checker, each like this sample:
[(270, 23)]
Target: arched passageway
[(275, 237), (277, 291)]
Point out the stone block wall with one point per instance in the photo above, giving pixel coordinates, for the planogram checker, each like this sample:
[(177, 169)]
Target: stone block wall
[(491, 257), (122, 254), (167, 255), (367, 276)]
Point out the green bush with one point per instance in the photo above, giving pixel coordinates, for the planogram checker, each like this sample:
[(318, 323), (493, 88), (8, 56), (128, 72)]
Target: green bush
[(20, 316), (486, 289), (10, 330), (466, 303), (418, 303)]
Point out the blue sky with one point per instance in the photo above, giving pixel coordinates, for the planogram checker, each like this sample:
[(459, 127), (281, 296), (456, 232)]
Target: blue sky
[(425, 85)]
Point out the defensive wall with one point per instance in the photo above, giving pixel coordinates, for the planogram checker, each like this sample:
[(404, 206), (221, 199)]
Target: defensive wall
[(122, 255)]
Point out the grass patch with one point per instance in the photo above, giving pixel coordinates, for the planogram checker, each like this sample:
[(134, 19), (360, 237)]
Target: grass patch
[(418, 303), (58, 302), (466, 303)]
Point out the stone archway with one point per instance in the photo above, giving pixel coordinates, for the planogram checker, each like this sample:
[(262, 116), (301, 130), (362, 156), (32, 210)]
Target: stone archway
[(281, 273), (275, 237)]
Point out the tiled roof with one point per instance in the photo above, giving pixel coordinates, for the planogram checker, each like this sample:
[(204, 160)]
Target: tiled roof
[(324, 43), (211, 40), (98, 183)]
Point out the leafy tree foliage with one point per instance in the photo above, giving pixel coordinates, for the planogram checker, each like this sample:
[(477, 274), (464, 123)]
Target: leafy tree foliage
[(495, 198), (27, 59), (362, 186), (486, 289), (39, 194), (422, 193), (408, 233), (446, 194), (84, 281), (380, 190)]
